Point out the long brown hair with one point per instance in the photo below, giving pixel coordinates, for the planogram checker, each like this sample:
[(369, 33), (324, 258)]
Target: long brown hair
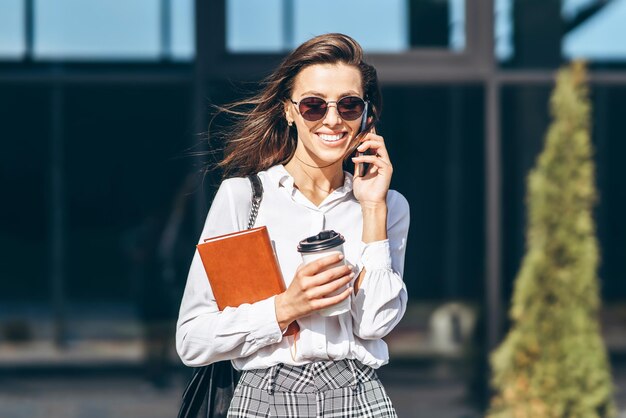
[(260, 136)]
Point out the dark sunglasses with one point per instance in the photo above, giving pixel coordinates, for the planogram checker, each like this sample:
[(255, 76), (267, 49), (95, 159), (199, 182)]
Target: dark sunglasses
[(315, 108)]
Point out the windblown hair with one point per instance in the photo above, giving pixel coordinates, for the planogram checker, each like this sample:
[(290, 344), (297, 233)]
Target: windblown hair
[(260, 136)]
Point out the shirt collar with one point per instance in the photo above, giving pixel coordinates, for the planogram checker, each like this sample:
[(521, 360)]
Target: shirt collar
[(281, 177)]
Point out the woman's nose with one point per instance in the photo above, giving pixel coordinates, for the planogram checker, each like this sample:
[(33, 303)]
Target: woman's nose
[(332, 116)]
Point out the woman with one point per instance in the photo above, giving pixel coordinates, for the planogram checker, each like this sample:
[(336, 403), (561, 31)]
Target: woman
[(302, 126)]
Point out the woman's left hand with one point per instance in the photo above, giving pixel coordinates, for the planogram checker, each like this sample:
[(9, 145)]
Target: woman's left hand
[(371, 189)]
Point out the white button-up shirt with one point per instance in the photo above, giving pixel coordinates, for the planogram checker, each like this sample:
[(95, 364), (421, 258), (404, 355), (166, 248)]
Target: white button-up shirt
[(249, 335)]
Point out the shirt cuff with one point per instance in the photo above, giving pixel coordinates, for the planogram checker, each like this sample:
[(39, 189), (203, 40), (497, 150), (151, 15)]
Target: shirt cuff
[(376, 255), (263, 322)]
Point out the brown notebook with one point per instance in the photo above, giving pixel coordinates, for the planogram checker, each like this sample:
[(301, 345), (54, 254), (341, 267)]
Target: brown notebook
[(242, 268)]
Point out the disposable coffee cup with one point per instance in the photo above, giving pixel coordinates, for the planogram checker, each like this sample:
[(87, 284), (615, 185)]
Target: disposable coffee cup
[(322, 245)]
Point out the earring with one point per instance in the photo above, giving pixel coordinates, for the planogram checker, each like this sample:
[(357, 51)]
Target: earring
[(290, 123)]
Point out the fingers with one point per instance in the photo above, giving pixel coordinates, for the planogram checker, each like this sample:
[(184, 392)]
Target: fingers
[(376, 146), (373, 136), (316, 282), (313, 267), (325, 279), (320, 272), (374, 160), (331, 287), (333, 300), (329, 275)]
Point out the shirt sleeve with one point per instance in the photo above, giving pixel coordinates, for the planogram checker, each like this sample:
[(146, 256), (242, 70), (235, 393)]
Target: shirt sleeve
[(381, 299), (205, 335)]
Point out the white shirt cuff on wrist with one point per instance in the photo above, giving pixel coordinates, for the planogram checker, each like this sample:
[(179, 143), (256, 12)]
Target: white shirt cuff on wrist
[(376, 255)]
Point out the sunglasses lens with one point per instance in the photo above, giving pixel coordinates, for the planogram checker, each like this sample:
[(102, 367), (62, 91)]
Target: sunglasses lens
[(312, 108), (350, 108)]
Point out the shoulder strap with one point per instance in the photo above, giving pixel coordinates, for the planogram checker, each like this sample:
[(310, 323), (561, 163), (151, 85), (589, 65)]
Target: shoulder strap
[(257, 196)]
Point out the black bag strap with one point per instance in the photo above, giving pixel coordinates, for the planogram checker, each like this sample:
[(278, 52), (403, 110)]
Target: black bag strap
[(212, 386), (257, 196)]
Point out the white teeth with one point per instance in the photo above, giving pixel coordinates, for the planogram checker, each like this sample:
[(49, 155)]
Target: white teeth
[(331, 138)]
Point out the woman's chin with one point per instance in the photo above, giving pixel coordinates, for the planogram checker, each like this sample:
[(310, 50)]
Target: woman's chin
[(326, 158)]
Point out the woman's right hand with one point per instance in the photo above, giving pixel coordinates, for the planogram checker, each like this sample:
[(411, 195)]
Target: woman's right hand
[(307, 291)]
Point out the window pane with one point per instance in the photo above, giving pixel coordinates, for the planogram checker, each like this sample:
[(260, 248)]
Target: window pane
[(118, 202), (84, 29), (390, 26), (503, 27), (599, 37), (25, 183), (12, 43), (243, 31), (182, 18), (548, 32), (357, 18), (445, 256)]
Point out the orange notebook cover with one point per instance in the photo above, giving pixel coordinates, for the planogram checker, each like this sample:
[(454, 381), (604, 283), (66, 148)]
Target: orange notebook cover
[(242, 268)]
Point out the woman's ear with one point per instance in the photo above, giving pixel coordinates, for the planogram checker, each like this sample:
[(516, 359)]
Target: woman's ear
[(288, 114)]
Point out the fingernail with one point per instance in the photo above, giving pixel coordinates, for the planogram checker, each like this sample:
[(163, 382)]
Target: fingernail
[(341, 256)]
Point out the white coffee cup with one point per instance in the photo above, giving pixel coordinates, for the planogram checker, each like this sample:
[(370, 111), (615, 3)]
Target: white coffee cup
[(322, 245)]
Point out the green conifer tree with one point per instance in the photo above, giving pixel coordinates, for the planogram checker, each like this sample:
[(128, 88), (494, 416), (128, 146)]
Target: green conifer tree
[(553, 363)]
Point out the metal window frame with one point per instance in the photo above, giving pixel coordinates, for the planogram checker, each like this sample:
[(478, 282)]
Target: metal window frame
[(409, 66)]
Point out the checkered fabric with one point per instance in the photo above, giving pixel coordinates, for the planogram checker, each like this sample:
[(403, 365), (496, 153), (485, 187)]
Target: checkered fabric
[(339, 389)]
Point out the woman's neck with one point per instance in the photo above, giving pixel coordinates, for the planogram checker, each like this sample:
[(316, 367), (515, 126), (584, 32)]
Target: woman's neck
[(318, 179)]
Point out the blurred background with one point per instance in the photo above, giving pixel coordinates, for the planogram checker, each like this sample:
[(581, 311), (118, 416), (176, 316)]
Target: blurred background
[(102, 108)]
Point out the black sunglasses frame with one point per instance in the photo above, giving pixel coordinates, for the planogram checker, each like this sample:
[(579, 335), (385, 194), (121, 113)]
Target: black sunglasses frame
[(297, 104)]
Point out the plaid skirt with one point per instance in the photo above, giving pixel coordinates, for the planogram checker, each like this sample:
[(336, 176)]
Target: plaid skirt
[(341, 389)]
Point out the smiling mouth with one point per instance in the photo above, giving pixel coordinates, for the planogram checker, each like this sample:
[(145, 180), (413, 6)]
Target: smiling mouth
[(332, 138)]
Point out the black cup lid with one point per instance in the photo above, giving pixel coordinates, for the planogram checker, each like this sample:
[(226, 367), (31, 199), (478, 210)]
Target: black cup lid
[(322, 241)]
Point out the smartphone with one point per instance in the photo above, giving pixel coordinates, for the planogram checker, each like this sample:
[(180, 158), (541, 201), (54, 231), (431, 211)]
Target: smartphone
[(363, 167)]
